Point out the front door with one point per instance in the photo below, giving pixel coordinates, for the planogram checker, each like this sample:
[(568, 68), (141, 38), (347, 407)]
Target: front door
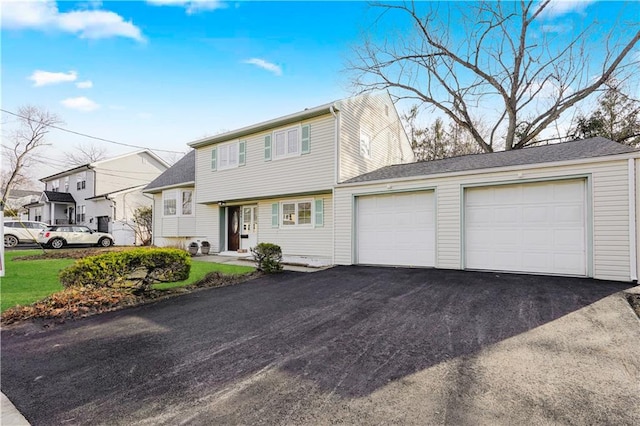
[(233, 227)]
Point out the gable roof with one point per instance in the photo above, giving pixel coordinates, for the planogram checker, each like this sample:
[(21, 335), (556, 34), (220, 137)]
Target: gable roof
[(59, 197), (328, 108), (182, 172), (580, 149), (89, 166)]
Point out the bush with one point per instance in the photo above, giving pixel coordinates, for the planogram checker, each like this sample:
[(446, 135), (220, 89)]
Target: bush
[(267, 257), (136, 269)]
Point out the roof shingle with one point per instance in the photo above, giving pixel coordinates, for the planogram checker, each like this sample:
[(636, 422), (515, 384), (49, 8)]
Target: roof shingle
[(183, 171), (580, 149)]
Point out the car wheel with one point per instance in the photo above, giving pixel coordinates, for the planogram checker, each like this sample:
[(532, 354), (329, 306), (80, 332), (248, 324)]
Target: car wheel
[(10, 241), (105, 242), (57, 243)]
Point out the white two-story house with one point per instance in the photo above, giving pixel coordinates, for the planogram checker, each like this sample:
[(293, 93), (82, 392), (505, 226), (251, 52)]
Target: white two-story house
[(274, 181), (102, 195)]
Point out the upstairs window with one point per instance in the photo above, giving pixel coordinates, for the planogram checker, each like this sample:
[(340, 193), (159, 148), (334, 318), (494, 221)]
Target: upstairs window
[(228, 156), (66, 184), (81, 181), (286, 143), (365, 145), (55, 185)]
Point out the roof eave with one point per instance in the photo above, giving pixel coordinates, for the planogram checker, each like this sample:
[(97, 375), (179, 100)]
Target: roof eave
[(612, 157), (266, 125), (172, 186)]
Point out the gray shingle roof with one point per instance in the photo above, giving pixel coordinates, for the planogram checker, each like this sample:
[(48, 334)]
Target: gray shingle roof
[(183, 171), (59, 197), (587, 148)]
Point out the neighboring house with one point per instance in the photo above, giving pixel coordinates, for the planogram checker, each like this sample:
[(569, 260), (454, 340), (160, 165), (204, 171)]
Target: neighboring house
[(274, 181), (566, 209), (18, 198), (102, 195)]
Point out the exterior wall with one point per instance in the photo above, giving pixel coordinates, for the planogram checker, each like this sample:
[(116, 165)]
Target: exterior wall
[(609, 205), (314, 242), (259, 178), (179, 231), (125, 172), (376, 116)]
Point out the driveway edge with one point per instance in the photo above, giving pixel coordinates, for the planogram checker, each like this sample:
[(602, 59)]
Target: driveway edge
[(10, 414)]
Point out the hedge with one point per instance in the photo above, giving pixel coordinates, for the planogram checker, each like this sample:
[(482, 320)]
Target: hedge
[(137, 269)]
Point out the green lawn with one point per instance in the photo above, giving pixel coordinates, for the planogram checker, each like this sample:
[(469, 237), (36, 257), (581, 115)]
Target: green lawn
[(27, 281)]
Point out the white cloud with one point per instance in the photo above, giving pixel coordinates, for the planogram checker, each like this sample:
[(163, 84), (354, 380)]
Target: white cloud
[(44, 15), (88, 84), (80, 104), (562, 7), (265, 65), (44, 78), (191, 6), (144, 115)]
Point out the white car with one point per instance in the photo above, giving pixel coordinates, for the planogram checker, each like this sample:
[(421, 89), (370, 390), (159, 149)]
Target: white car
[(58, 236), (16, 231)]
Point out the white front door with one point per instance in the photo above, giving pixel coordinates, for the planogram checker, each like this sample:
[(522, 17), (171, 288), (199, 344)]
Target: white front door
[(532, 227), (396, 229), (249, 233)]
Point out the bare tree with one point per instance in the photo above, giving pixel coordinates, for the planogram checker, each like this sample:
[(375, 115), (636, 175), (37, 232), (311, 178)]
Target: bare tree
[(34, 123), (507, 71), (617, 117), (85, 153), (438, 140)]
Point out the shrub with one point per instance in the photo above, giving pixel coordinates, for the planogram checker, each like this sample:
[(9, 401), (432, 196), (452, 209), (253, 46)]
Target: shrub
[(267, 257), (137, 269)]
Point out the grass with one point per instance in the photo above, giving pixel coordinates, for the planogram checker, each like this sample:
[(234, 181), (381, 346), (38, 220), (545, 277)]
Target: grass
[(199, 269), (27, 281)]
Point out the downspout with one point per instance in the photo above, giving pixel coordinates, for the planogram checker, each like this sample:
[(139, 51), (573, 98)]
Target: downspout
[(337, 178), (633, 259)]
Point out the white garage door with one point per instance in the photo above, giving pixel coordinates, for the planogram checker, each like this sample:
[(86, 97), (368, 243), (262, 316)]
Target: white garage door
[(396, 229), (538, 227)]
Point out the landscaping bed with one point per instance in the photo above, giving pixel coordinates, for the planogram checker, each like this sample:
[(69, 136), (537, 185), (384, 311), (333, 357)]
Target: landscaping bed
[(32, 288)]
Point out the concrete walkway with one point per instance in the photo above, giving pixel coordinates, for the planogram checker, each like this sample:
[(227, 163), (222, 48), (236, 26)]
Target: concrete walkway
[(293, 264), (9, 415)]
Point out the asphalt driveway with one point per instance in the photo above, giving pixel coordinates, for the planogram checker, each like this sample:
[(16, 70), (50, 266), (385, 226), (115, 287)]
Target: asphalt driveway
[(347, 345)]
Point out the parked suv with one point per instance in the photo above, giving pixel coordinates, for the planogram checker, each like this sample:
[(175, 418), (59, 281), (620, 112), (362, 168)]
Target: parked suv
[(26, 231), (58, 236)]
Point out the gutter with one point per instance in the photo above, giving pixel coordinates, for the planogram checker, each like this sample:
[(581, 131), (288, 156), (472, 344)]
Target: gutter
[(265, 125)]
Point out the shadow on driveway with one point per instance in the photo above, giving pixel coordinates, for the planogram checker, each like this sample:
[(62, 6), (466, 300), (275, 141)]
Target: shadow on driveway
[(344, 333)]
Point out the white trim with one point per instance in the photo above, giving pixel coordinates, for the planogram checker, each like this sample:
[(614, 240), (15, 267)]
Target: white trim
[(633, 260), (296, 203), (274, 150), (160, 189)]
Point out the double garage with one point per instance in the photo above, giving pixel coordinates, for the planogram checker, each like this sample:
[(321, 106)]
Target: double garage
[(575, 216), (535, 227)]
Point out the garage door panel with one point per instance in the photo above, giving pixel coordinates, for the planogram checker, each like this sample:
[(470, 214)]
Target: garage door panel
[(404, 231), (539, 227)]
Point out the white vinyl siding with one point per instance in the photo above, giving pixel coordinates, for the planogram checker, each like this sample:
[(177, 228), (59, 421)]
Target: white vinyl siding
[(123, 172), (203, 225), (609, 228), (313, 241), (307, 173), (386, 140)]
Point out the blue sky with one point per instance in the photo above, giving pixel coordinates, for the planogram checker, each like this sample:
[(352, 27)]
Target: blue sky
[(163, 73)]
